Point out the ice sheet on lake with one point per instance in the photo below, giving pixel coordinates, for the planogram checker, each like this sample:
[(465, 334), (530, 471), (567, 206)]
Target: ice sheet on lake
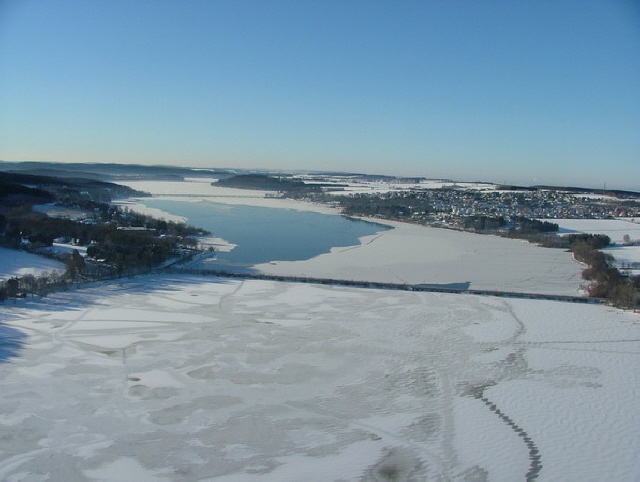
[(278, 381)]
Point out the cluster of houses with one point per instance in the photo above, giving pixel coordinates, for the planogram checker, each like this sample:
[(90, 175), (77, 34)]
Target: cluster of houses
[(447, 205)]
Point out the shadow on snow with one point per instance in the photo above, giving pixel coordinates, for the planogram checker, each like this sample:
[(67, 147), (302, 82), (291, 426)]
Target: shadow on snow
[(11, 342), (12, 339)]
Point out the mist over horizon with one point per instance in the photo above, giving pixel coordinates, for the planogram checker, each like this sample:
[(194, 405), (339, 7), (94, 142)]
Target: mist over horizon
[(510, 180)]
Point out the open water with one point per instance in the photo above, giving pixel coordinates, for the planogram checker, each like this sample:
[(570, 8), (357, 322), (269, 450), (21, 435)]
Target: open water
[(266, 234)]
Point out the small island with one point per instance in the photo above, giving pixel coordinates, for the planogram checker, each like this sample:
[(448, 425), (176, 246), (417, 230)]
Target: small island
[(261, 182)]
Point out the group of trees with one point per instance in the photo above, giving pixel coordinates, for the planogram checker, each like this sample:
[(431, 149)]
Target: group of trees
[(120, 253), (605, 280), (24, 187), (484, 223), (29, 284), (519, 227), (534, 225), (125, 249), (386, 208), (21, 223), (118, 242), (287, 184)]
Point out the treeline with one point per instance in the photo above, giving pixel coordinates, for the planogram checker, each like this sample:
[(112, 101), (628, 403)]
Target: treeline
[(21, 223), (552, 240), (388, 208), (536, 226), (65, 189), (605, 280), (125, 249), (117, 240), (483, 223), (518, 227), (31, 285), (20, 287), (76, 272), (16, 194)]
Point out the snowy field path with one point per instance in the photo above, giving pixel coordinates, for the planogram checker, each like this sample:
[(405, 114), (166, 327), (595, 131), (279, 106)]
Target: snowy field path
[(189, 378)]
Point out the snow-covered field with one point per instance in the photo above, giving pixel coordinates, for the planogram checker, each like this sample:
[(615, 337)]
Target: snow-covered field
[(626, 257), (614, 228), (187, 378), (19, 263)]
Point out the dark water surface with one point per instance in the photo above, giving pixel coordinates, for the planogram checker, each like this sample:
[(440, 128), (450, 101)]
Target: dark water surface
[(270, 234)]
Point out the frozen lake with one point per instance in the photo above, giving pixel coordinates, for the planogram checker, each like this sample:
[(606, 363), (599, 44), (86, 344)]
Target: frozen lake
[(263, 234), (187, 378)]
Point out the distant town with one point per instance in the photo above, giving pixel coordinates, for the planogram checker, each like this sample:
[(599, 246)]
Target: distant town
[(446, 203)]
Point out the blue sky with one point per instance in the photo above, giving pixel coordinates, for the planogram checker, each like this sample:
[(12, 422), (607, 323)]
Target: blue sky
[(525, 92)]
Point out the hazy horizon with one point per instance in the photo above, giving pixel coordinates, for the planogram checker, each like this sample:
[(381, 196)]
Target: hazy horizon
[(505, 92), (301, 170)]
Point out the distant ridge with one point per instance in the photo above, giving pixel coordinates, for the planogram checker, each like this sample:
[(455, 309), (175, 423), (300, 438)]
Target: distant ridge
[(583, 190), (15, 183), (111, 171), (573, 189), (132, 172)]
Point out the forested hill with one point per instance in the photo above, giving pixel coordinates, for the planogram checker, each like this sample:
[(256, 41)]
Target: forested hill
[(17, 185), (261, 182), (110, 171), (117, 241)]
